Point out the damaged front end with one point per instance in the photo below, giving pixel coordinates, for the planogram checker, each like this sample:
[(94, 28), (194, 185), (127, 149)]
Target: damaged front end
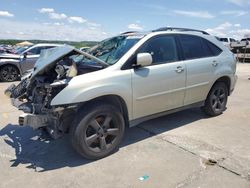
[(51, 74), (34, 100)]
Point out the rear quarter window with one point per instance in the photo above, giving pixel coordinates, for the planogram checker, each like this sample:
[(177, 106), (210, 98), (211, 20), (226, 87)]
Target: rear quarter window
[(196, 47), (215, 50)]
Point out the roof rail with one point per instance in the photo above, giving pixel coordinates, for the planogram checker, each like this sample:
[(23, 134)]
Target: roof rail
[(179, 29), (129, 32)]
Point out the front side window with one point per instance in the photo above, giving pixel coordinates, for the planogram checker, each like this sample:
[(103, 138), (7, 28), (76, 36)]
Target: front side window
[(34, 51), (162, 48)]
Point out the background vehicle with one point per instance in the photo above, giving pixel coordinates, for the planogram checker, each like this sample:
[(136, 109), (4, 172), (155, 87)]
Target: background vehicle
[(246, 39), (121, 82), (6, 49), (227, 41), (12, 66), (241, 49)]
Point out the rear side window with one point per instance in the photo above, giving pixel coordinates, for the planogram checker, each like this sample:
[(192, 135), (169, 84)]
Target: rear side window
[(162, 48), (196, 47)]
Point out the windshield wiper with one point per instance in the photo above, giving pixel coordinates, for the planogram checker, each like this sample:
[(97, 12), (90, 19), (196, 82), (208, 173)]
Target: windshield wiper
[(103, 63)]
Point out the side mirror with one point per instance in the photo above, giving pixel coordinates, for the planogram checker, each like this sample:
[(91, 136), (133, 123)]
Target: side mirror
[(25, 55), (144, 59)]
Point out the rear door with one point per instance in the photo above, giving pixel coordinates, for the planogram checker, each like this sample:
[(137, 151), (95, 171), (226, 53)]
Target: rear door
[(160, 86), (200, 58)]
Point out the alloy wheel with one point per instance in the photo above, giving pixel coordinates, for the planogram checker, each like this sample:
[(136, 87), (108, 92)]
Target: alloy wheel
[(101, 133), (9, 73), (218, 99)]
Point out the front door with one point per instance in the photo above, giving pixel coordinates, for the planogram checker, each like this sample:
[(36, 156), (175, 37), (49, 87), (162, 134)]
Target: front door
[(160, 86), (29, 62), (32, 56)]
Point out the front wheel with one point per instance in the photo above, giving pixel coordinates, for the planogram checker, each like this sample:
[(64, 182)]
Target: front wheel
[(98, 131), (216, 100)]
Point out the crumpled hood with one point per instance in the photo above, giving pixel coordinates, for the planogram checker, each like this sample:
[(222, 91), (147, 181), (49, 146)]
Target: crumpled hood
[(49, 57)]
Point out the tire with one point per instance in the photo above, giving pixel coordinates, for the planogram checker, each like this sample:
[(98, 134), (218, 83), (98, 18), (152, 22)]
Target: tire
[(9, 73), (216, 100), (98, 131)]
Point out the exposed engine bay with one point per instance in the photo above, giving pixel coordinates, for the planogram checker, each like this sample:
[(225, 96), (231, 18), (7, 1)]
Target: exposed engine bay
[(35, 92), (51, 76)]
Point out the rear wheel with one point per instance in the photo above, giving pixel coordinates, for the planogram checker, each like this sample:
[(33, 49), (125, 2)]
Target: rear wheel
[(216, 100), (98, 131), (9, 73)]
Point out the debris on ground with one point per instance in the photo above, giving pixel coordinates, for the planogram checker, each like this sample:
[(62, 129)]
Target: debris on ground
[(210, 162), (143, 178)]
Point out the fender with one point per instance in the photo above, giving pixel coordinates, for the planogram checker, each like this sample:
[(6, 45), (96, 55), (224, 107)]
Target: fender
[(79, 91), (225, 70)]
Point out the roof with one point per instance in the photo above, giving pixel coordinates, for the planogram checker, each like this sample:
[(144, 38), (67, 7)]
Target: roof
[(47, 44), (166, 29), (179, 29)]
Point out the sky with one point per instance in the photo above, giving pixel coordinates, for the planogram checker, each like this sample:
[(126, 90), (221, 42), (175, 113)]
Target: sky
[(93, 20)]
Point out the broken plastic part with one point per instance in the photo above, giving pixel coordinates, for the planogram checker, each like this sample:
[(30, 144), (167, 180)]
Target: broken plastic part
[(210, 162), (72, 70), (143, 178)]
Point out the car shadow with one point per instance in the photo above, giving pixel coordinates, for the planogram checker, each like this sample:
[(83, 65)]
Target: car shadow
[(38, 152)]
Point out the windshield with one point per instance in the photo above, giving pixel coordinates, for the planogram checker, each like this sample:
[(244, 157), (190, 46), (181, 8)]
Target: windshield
[(20, 50), (110, 50)]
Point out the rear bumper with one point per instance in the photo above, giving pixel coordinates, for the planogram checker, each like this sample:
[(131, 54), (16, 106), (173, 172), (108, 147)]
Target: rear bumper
[(234, 79)]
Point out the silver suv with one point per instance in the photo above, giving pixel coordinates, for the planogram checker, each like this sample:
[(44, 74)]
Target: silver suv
[(12, 66), (121, 82)]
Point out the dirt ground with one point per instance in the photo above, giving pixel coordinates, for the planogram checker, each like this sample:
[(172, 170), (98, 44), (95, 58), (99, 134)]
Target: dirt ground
[(185, 149)]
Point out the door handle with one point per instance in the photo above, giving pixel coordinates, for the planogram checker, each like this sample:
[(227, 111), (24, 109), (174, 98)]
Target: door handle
[(215, 63), (179, 69)]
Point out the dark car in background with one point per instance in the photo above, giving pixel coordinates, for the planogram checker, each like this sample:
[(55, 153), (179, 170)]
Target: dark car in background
[(6, 49), (14, 65)]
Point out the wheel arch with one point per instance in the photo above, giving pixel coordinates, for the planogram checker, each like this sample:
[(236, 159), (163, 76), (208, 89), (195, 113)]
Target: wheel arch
[(114, 100), (224, 79)]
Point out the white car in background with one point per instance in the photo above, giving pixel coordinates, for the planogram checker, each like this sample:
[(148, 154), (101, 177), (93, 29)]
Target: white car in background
[(227, 41)]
